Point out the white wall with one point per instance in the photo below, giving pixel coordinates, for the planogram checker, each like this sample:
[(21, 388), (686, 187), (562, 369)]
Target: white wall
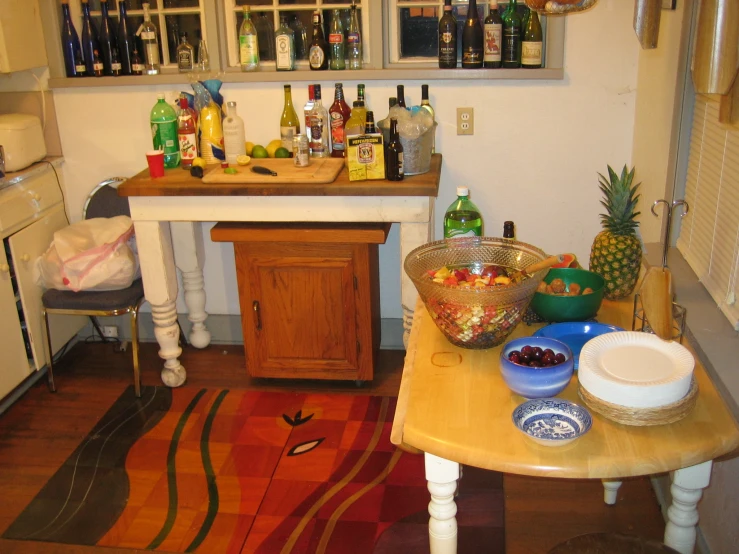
[(534, 157)]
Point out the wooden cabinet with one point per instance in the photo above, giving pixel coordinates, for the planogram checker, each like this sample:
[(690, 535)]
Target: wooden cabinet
[(309, 297), (21, 36)]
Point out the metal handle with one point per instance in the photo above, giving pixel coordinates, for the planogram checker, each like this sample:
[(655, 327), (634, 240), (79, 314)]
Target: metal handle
[(25, 258), (669, 207), (5, 268), (257, 315)]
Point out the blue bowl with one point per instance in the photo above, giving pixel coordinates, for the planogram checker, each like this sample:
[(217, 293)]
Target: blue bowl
[(552, 421), (536, 382), (576, 334)]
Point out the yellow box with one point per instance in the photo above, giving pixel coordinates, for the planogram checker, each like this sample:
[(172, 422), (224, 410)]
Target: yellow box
[(366, 157)]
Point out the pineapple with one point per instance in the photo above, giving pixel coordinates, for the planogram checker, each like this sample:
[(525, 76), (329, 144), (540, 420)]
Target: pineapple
[(617, 252)]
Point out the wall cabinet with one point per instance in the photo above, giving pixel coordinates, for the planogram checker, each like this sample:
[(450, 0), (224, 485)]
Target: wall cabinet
[(22, 43)]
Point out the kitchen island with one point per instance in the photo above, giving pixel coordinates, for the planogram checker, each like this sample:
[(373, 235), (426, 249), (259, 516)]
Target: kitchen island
[(168, 211)]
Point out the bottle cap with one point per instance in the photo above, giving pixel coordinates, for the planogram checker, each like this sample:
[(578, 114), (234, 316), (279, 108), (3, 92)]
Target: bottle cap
[(231, 104), (160, 96), (463, 191)]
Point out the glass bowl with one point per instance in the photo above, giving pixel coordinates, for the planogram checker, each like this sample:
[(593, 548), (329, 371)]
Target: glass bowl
[(475, 318)]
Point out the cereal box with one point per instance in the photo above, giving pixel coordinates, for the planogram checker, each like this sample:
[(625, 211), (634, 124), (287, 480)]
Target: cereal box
[(366, 157)]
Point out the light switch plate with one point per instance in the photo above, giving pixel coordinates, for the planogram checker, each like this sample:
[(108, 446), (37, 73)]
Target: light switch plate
[(465, 121)]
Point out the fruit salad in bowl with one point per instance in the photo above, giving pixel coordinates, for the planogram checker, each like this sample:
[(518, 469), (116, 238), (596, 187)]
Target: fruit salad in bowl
[(474, 288)]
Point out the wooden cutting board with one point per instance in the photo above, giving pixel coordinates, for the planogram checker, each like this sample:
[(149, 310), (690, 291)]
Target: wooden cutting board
[(320, 170)]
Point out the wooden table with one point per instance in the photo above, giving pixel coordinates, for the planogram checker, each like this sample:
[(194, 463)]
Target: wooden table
[(168, 211), (455, 407)]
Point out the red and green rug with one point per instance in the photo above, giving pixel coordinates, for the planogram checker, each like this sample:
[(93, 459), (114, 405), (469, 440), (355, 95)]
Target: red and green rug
[(236, 471)]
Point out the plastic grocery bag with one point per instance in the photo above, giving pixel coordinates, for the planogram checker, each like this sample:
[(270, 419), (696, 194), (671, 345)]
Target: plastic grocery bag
[(94, 254)]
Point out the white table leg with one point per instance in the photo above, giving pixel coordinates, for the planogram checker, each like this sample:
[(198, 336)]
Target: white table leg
[(412, 235), (610, 491), (189, 253), (158, 271), (442, 476), (682, 515)]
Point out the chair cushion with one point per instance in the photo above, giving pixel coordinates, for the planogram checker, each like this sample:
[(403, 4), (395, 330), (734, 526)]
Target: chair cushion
[(94, 300)]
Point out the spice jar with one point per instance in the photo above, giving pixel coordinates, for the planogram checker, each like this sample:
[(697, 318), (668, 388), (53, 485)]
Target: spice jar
[(301, 151)]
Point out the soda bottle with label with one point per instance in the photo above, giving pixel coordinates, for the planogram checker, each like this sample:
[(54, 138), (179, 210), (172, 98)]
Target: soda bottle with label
[(339, 113), (186, 136), (462, 218), (163, 121)]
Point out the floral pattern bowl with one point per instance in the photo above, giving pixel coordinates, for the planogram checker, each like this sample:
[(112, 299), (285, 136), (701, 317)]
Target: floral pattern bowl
[(552, 421)]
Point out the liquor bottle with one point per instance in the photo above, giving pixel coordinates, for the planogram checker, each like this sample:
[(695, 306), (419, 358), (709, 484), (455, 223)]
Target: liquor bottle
[(301, 38), (248, 44), (401, 96), (508, 230), (186, 135), (392, 101), (289, 122), (531, 44), (163, 121), (79, 64), (447, 38), (107, 39), (426, 105), (511, 37), (125, 40), (89, 39), (394, 154), (362, 107), (472, 38), (319, 131), (97, 64), (462, 218), (339, 113), (137, 64), (285, 48), (307, 109), (185, 55), (150, 41), (318, 56), (369, 125), (336, 42), (354, 40), (234, 135), (355, 123), (203, 63), (265, 36), (493, 51), (70, 42)]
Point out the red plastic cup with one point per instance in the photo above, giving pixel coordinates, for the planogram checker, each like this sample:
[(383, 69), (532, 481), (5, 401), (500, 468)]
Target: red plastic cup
[(155, 159)]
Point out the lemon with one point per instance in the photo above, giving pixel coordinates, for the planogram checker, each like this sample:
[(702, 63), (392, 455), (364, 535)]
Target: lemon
[(273, 146), (259, 151), (282, 152), (198, 162), (243, 160), (249, 148)]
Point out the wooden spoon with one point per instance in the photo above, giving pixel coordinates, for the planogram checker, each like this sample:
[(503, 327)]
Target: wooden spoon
[(656, 298), (518, 276)]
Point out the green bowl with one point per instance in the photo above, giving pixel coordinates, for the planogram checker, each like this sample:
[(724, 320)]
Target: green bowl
[(555, 308)]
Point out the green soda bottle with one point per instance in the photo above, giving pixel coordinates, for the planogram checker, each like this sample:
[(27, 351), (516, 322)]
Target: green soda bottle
[(462, 218), (163, 121)]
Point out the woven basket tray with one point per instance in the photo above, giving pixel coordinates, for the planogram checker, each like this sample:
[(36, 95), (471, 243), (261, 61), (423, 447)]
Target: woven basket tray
[(669, 413)]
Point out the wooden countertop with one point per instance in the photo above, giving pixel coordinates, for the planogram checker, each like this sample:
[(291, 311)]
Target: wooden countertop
[(454, 403), (178, 182)]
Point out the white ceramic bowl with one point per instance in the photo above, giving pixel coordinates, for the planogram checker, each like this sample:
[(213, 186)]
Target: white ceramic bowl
[(552, 421)]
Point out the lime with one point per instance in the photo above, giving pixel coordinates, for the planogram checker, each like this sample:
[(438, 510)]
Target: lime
[(259, 151), (282, 152), (231, 170), (243, 160)]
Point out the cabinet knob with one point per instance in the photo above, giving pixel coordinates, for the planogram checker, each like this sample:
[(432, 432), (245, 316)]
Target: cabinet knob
[(5, 268), (257, 315), (25, 258)]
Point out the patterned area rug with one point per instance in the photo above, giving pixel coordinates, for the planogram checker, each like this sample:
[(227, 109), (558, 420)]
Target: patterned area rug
[(235, 471)]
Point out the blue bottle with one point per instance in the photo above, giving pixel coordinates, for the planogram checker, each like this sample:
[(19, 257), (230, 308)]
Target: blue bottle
[(125, 40), (108, 44), (70, 44), (89, 39)]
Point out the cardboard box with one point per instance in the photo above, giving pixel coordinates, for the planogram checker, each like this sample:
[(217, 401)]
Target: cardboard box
[(366, 156)]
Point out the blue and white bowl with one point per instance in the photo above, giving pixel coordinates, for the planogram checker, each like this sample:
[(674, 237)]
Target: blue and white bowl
[(552, 421), (536, 382)]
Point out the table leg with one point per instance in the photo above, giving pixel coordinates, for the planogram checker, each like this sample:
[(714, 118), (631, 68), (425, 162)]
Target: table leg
[(158, 271), (189, 253), (610, 491), (442, 476), (682, 515), (412, 235)]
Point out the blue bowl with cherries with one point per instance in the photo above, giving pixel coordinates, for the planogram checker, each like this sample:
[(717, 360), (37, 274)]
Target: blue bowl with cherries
[(536, 367)]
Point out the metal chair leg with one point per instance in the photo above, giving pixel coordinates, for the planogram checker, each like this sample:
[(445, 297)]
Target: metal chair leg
[(49, 365), (135, 351)]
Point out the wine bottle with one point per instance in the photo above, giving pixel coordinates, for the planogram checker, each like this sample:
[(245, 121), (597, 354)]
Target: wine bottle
[(97, 64), (508, 230), (394, 154), (125, 40), (531, 44), (426, 105), (336, 42), (339, 113), (248, 43), (70, 44), (401, 96), (462, 218), (362, 104), (284, 48), (447, 38), (289, 122), (472, 38), (392, 101), (319, 130), (107, 39), (137, 64), (493, 53), (150, 41), (511, 37), (318, 55), (89, 39), (354, 40)]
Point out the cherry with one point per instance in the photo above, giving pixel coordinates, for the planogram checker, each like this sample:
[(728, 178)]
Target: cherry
[(548, 351), (515, 357), (548, 358), (525, 357), (559, 358), (526, 349), (535, 363), (536, 353)]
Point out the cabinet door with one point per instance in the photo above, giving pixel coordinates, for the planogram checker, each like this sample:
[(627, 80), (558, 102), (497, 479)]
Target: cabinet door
[(21, 36), (25, 246), (15, 365), (298, 309)]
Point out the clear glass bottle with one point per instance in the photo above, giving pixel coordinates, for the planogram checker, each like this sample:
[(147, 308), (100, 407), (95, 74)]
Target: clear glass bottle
[(289, 122), (248, 44), (319, 53), (150, 41), (319, 129), (234, 134), (493, 47), (186, 136), (284, 48), (354, 40), (462, 218), (301, 38), (89, 39), (394, 154), (70, 43), (125, 40), (339, 113), (336, 42), (307, 109), (203, 63), (265, 35), (185, 55), (163, 121)]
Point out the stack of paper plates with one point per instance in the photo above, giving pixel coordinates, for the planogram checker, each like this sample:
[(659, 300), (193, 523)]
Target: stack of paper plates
[(637, 370)]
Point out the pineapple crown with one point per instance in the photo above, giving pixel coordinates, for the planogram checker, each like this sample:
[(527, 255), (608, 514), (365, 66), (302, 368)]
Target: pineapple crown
[(620, 201)]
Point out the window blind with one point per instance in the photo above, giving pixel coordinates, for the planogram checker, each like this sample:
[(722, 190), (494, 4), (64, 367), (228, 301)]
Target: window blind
[(709, 235)]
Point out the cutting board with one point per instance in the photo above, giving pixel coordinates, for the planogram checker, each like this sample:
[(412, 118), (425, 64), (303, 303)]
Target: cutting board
[(320, 170)]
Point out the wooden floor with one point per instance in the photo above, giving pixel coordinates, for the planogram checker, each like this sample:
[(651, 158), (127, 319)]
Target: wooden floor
[(38, 433)]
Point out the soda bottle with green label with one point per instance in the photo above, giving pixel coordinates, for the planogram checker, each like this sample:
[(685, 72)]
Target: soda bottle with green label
[(462, 218), (163, 121)]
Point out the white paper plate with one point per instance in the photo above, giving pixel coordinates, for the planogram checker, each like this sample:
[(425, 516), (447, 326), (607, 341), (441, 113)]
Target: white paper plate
[(634, 369)]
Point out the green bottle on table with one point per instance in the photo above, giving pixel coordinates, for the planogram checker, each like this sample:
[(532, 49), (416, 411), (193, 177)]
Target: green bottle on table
[(462, 218), (163, 121)]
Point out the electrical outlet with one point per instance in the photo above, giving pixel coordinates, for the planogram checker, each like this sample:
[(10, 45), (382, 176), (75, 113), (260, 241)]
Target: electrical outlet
[(465, 121), (110, 331)]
